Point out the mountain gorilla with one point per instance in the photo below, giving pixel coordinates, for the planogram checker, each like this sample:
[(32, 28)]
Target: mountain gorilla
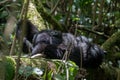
[(55, 44), (75, 46)]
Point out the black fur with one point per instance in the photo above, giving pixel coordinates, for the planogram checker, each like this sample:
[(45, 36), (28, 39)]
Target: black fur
[(91, 53), (31, 30), (45, 38), (54, 44)]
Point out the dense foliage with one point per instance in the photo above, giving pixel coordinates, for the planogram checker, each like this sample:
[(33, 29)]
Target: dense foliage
[(97, 19)]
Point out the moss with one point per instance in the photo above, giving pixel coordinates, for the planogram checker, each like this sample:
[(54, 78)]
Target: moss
[(114, 39), (34, 16), (9, 67), (110, 44), (44, 14)]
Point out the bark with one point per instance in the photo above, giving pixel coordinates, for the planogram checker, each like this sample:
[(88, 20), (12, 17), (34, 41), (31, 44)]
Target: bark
[(47, 16), (111, 44)]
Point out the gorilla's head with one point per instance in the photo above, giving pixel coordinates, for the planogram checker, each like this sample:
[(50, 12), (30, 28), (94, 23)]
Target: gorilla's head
[(30, 31), (44, 38)]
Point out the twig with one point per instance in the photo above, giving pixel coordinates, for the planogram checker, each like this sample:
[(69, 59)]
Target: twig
[(13, 45), (67, 72), (81, 57), (55, 7), (91, 31), (68, 13), (94, 12), (3, 2), (44, 14), (26, 3), (100, 13)]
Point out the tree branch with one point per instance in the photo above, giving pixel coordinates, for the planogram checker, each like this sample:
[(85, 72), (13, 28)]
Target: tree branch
[(110, 46), (91, 31), (55, 7), (3, 2), (47, 16), (23, 28)]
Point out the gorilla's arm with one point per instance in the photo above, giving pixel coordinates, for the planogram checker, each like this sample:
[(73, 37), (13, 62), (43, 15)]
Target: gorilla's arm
[(31, 30)]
